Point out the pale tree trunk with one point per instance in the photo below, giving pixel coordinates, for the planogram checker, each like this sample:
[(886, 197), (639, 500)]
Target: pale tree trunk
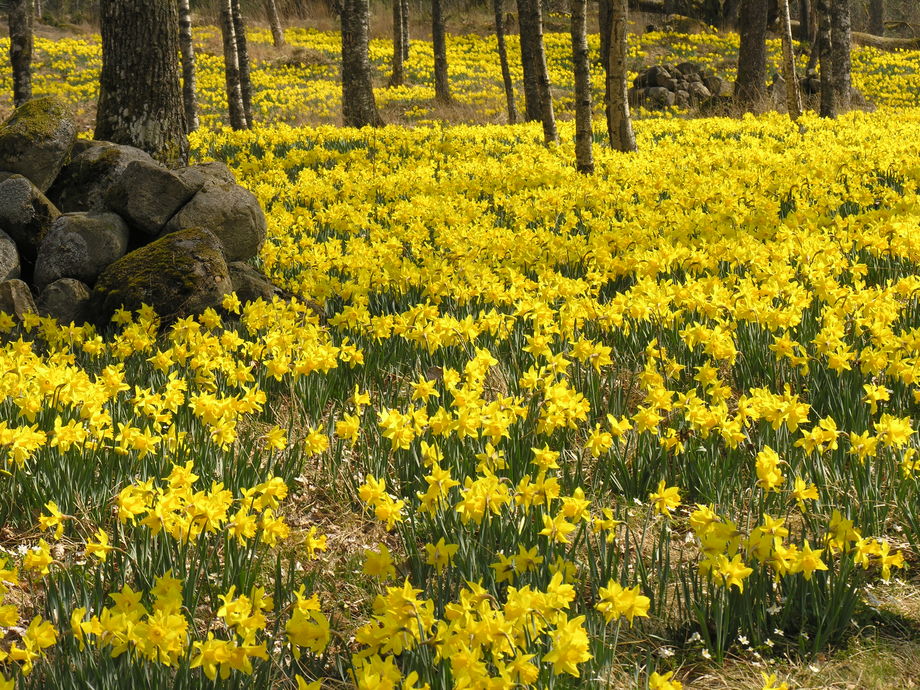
[(187, 52), (750, 86), (584, 134), (398, 77), (547, 117), (242, 52), (140, 98), (619, 122), (274, 21), (439, 45), (358, 106), (404, 18), (528, 62), (232, 67), (38, 9), (793, 95), (840, 52), (20, 22), (503, 59), (823, 46), (877, 17)]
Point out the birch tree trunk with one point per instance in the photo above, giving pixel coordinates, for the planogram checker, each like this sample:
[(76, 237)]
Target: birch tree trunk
[(187, 52), (358, 106), (793, 95), (823, 46), (398, 77), (584, 134), (232, 67), (619, 122), (439, 44), (840, 52), (750, 86), (242, 51), (20, 22), (528, 62), (274, 21), (497, 6), (140, 99)]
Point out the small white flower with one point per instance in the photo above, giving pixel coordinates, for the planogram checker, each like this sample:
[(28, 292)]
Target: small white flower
[(769, 643), (775, 609), (637, 501), (742, 639), (665, 652), (706, 654), (777, 631), (695, 637), (814, 668), (804, 635)]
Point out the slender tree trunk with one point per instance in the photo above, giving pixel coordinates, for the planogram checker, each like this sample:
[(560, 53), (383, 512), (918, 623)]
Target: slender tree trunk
[(242, 51), (140, 99), (497, 6), (38, 10), (398, 77), (439, 44), (20, 21), (358, 106), (584, 134), (187, 52), (840, 52), (877, 17), (404, 18), (619, 122), (823, 46), (528, 62), (274, 21), (793, 95), (604, 19), (805, 20), (750, 87), (547, 117), (232, 67)]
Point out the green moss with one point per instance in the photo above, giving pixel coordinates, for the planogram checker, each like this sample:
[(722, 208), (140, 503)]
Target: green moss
[(37, 118)]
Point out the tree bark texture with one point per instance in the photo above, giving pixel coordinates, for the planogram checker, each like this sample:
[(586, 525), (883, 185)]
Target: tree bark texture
[(187, 52), (619, 122), (38, 9), (20, 21), (498, 8), (439, 45), (547, 117), (823, 46), (750, 87), (840, 52), (804, 33), (232, 67), (877, 17), (404, 17), (528, 62), (584, 134), (242, 51), (274, 21), (398, 76), (358, 106), (793, 95), (140, 98)]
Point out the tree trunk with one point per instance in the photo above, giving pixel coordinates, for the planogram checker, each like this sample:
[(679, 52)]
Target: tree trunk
[(584, 134), (404, 17), (242, 51), (439, 44), (38, 9), (232, 67), (840, 52), (793, 95), (398, 77), (804, 33), (750, 87), (619, 122), (274, 21), (140, 99), (823, 46), (187, 51), (541, 74), (604, 19), (528, 62), (497, 6), (20, 21), (877, 17), (358, 106)]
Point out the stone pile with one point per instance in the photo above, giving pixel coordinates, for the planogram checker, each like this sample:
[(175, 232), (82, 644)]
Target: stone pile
[(684, 85), (88, 227)]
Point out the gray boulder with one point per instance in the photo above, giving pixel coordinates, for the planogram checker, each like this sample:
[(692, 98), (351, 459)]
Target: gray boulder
[(660, 97), (16, 298), (147, 195), (716, 86), (699, 92), (25, 214), (80, 245), (84, 181), (682, 98), (232, 213), (250, 284), (66, 301), (178, 274), (37, 139), (9, 258), (197, 175)]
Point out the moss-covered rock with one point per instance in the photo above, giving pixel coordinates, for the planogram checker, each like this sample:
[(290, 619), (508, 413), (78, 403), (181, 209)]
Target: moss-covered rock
[(85, 180), (179, 274), (80, 245), (36, 140)]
